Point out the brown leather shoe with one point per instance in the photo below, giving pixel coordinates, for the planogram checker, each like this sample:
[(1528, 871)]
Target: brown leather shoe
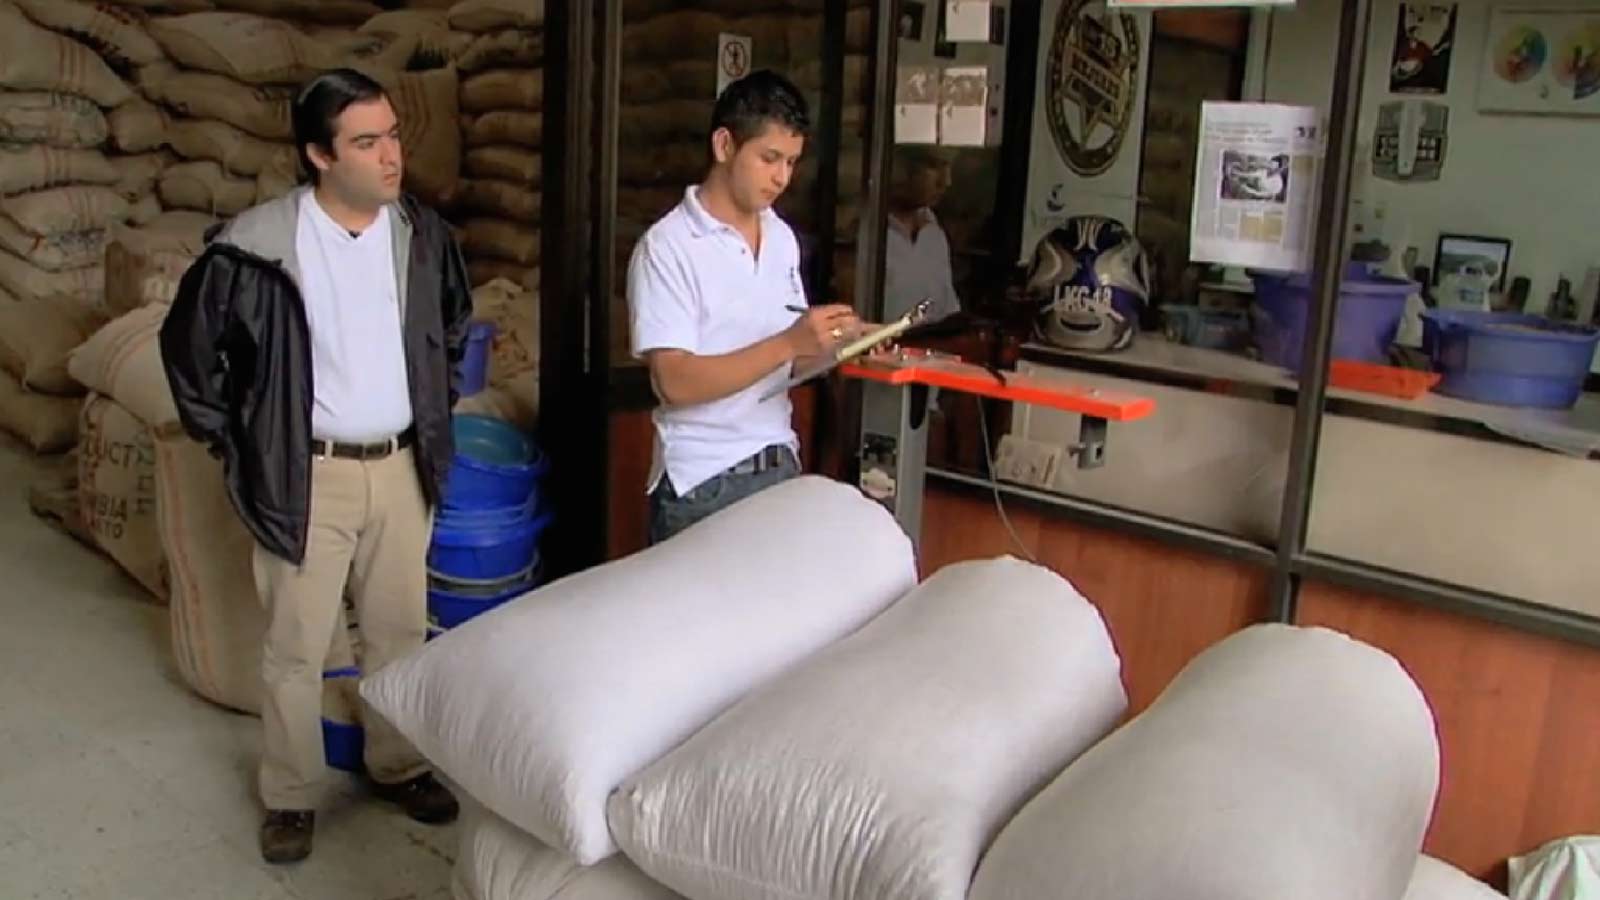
[(286, 835), (423, 798)]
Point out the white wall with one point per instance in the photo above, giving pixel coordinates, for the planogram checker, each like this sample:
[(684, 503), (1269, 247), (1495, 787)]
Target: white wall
[(1532, 179)]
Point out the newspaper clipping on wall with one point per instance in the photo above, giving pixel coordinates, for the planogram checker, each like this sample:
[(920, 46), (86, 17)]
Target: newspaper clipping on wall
[(1256, 185)]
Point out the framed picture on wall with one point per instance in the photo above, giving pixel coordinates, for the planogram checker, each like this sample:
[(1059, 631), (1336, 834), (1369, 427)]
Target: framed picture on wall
[(1462, 253), (1424, 42), (1541, 60)]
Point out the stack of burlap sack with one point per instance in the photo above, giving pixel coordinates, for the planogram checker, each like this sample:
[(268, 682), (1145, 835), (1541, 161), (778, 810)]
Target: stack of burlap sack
[(770, 729), (128, 129), (511, 390), (60, 195), (155, 499), (226, 88), (500, 206)]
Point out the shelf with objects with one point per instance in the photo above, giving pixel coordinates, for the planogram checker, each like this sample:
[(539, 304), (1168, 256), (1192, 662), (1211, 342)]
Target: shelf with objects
[(1052, 217)]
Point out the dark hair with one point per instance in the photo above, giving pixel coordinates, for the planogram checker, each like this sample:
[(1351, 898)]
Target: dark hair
[(757, 100), (319, 104), (910, 159)]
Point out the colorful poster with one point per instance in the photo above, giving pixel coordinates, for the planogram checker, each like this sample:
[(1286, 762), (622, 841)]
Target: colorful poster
[(1424, 43), (1542, 60)]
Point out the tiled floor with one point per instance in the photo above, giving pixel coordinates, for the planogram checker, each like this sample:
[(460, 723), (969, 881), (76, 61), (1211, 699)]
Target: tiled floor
[(116, 782)]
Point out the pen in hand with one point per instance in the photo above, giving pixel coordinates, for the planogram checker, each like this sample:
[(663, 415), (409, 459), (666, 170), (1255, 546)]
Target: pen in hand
[(796, 309)]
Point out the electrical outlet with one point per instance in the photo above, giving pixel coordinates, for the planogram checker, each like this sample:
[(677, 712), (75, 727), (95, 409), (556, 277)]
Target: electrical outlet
[(1024, 461)]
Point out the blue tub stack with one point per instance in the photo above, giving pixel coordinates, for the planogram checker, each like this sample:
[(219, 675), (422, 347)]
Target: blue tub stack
[(486, 535)]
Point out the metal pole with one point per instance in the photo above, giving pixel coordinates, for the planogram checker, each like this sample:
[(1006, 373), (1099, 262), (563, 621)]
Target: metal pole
[(1328, 268), (573, 368), (840, 412), (879, 160)]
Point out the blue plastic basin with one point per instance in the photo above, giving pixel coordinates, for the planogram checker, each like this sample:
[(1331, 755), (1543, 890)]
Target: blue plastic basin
[(1509, 359), (1365, 323), (495, 465), (457, 517), (485, 553), (448, 609)]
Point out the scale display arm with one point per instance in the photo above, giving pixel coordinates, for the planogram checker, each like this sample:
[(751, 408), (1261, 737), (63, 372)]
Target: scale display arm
[(896, 388)]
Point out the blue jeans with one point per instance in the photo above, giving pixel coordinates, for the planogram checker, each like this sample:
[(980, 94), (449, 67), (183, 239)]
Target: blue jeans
[(671, 513)]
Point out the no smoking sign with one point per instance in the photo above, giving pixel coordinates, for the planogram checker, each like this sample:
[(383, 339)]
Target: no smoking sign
[(733, 59)]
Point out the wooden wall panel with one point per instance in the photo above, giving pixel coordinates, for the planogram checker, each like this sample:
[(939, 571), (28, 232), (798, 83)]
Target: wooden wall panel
[(1163, 604), (1225, 29), (628, 465), (1518, 718)]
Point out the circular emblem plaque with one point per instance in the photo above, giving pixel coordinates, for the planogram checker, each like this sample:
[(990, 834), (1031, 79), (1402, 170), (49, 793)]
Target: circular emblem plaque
[(1091, 82)]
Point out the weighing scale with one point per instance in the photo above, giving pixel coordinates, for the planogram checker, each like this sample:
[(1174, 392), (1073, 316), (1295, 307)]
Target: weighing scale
[(894, 435)]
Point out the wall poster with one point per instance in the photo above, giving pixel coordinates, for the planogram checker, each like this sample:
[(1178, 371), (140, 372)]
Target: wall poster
[(1411, 140), (1088, 116), (1424, 43), (1542, 60)]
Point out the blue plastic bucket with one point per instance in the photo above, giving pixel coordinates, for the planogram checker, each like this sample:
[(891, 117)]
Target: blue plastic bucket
[(343, 743), (495, 465), (1509, 359), (455, 517), (473, 369), (476, 588), (1369, 313), (485, 553), (448, 608)]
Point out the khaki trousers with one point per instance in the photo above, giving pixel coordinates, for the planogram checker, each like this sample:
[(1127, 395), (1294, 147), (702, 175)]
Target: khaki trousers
[(369, 531)]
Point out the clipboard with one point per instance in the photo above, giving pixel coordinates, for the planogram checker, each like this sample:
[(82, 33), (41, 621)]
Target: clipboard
[(853, 349)]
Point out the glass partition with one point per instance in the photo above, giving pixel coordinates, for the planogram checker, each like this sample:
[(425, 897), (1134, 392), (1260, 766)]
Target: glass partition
[(1463, 441), (1085, 269)]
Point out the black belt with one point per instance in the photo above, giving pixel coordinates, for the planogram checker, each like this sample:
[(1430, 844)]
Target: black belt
[(769, 458), (379, 450)]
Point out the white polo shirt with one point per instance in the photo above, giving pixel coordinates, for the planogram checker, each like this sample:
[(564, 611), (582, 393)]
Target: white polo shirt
[(914, 268), (361, 390), (695, 285)]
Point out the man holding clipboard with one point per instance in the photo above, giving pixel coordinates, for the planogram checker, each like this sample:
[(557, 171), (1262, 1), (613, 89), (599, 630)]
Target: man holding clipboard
[(712, 292)]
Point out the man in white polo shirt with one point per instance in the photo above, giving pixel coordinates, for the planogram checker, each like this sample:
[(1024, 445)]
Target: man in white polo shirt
[(713, 290)]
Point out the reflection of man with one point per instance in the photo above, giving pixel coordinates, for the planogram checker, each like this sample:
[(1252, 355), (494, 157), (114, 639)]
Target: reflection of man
[(916, 250), (711, 292)]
